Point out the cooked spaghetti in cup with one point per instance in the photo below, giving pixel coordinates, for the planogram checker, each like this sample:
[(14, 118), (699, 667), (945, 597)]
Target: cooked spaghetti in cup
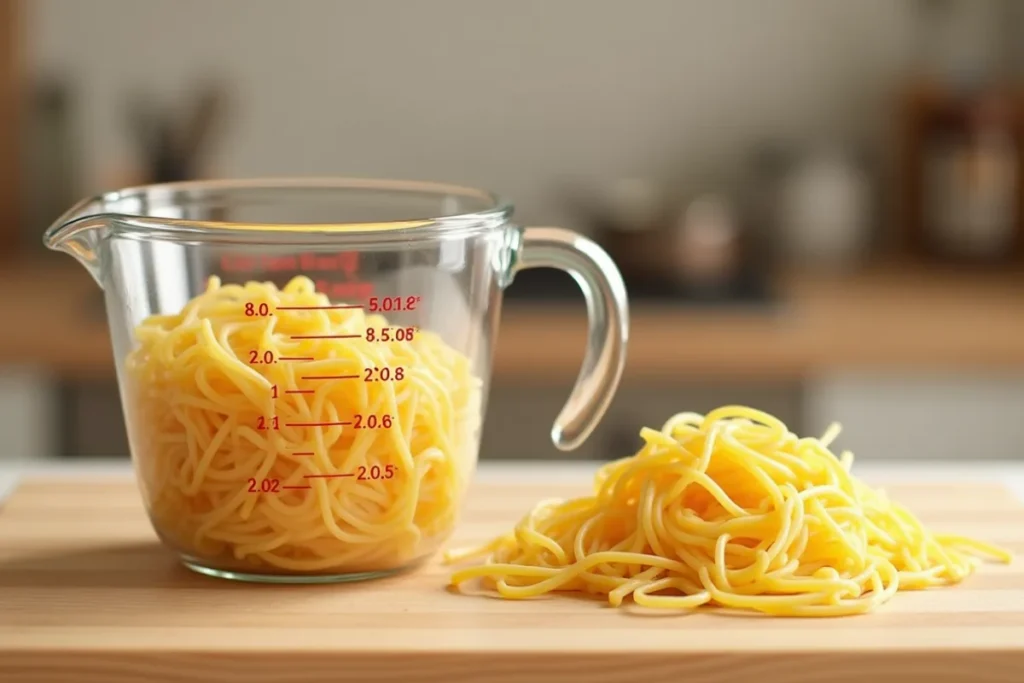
[(274, 435)]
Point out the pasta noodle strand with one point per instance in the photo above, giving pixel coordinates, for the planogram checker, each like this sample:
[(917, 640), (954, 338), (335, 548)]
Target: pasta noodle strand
[(208, 425), (730, 510)]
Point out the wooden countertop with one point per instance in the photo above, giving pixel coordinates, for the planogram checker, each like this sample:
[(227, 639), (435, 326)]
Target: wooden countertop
[(88, 594), (887, 318)]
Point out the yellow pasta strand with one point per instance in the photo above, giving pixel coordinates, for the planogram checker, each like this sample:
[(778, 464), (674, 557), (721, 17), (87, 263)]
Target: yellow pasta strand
[(732, 510), (210, 438)]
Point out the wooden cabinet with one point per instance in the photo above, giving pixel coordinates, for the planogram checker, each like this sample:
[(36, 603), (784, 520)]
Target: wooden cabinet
[(10, 103)]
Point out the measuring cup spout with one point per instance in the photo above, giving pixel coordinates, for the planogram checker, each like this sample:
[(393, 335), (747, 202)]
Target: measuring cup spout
[(79, 233)]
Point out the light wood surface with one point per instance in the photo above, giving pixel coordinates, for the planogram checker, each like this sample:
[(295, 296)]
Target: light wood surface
[(87, 596)]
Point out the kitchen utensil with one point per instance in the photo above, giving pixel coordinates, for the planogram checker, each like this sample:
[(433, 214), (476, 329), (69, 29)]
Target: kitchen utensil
[(392, 263), (706, 244), (175, 146), (960, 187), (625, 217), (50, 157), (825, 212), (87, 594), (970, 184)]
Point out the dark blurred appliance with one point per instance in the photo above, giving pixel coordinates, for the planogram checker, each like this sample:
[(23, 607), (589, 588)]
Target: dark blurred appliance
[(963, 175), (174, 145), (961, 132), (49, 160), (694, 249)]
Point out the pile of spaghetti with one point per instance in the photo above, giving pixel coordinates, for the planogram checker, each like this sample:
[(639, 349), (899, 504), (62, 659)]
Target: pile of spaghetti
[(729, 509), (260, 447)]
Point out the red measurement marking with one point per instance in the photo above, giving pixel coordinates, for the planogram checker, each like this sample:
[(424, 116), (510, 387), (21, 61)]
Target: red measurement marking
[(252, 309), (326, 336), (303, 453), (375, 472), (349, 290), (394, 303), (332, 377), (295, 358), (327, 476), (256, 359), (317, 308), (295, 488), (373, 421), (299, 391), (386, 334), (316, 424), (264, 486), (263, 423), (384, 374)]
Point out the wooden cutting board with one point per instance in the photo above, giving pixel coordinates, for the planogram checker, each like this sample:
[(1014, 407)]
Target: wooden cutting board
[(87, 595)]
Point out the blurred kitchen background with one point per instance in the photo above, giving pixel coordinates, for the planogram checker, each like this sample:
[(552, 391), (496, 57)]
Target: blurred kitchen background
[(818, 205)]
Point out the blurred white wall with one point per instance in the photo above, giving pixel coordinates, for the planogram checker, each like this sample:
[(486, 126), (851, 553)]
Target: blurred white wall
[(28, 413), (520, 96)]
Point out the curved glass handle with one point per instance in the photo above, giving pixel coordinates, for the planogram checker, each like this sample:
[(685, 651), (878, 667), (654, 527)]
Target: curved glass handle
[(607, 326)]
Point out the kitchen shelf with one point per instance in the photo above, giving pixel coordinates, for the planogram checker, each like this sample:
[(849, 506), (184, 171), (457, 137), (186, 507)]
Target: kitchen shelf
[(888, 317)]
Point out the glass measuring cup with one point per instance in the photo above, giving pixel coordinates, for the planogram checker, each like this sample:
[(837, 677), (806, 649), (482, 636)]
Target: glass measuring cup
[(304, 364)]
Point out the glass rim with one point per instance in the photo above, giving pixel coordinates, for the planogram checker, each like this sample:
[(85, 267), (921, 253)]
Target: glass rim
[(495, 212)]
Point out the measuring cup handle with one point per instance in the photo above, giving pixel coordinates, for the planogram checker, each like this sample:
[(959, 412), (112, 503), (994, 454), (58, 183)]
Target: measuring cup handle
[(607, 325)]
